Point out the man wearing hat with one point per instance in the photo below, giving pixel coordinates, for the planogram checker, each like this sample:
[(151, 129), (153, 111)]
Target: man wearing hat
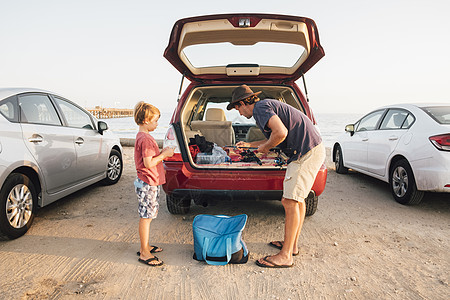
[(294, 133)]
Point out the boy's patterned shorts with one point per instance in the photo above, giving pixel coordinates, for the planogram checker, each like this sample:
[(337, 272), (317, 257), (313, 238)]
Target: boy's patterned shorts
[(148, 197)]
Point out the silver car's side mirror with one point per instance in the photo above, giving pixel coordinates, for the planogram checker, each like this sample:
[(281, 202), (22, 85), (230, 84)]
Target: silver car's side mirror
[(350, 128), (102, 126)]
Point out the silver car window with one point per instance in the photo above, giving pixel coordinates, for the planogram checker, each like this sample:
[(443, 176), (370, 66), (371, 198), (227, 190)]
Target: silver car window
[(37, 109), (75, 116)]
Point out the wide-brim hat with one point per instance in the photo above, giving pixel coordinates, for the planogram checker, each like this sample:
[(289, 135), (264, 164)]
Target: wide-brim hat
[(240, 93)]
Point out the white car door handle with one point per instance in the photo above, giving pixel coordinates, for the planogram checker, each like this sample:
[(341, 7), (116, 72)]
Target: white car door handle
[(35, 138), (393, 138), (365, 139), (79, 141)]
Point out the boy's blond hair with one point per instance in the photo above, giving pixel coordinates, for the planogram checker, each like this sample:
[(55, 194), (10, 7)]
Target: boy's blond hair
[(144, 112)]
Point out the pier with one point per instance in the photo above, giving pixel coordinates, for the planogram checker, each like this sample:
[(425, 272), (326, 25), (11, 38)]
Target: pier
[(107, 113)]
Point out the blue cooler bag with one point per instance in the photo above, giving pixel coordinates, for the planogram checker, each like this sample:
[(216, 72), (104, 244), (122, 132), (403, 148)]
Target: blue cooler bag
[(218, 239)]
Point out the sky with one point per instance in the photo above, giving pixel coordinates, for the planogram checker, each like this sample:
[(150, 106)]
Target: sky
[(110, 53)]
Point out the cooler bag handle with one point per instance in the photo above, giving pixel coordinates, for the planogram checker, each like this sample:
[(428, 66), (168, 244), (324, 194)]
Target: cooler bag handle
[(216, 263)]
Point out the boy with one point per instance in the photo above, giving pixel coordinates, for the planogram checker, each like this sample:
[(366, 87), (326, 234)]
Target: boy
[(150, 175)]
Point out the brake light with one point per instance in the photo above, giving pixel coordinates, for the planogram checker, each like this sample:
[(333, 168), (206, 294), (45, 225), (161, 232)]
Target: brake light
[(171, 141), (170, 134), (442, 142), (244, 22)]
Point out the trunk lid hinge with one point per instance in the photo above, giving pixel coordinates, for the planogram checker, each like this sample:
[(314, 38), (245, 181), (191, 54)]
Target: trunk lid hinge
[(304, 85), (181, 86)]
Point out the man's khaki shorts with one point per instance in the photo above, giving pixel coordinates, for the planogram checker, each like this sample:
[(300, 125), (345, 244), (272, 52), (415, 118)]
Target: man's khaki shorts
[(301, 173)]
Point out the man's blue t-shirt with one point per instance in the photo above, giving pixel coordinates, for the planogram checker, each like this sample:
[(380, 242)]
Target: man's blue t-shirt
[(302, 135)]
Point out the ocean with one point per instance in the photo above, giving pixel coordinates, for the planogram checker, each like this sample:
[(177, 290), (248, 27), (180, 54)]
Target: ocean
[(331, 125)]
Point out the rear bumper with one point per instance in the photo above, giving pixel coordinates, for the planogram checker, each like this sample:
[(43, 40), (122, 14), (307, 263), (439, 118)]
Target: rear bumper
[(263, 184), (205, 197), (433, 174)]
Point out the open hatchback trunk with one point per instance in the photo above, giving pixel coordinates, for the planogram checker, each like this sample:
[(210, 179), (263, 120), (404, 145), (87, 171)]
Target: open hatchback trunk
[(239, 46)]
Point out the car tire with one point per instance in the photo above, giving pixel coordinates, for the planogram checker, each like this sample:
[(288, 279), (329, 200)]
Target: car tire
[(311, 203), (18, 201), (403, 184), (339, 161), (115, 167), (178, 204)]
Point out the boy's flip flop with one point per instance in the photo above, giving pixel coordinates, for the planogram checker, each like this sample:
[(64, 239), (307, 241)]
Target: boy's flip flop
[(272, 265), (275, 244), (147, 261), (155, 249)]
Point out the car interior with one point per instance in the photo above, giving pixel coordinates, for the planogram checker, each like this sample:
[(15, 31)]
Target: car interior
[(205, 114), (215, 127)]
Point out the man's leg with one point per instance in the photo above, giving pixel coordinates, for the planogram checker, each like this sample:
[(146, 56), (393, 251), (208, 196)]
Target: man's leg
[(302, 212), (293, 220)]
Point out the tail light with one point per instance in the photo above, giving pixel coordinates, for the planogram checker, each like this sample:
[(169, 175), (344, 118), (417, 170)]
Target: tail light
[(442, 142), (171, 141)]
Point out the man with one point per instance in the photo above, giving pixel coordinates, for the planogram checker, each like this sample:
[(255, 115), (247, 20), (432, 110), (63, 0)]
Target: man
[(292, 131)]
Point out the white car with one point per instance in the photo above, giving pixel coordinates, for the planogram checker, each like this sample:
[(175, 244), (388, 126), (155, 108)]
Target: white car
[(407, 145)]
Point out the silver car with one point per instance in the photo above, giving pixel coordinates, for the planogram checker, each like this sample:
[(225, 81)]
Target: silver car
[(49, 148)]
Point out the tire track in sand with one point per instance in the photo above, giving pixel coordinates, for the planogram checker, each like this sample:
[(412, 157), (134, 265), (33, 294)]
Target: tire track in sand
[(261, 288), (183, 291), (87, 269), (204, 291)]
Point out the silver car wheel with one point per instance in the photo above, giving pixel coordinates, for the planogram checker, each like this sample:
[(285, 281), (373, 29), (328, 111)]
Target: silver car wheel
[(337, 157), (400, 181), (114, 167), (19, 206)]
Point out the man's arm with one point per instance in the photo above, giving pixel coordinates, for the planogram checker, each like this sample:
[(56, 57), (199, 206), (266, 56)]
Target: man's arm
[(278, 134), (250, 144)]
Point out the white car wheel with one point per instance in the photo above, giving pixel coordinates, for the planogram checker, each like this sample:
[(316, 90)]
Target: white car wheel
[(403, 185)]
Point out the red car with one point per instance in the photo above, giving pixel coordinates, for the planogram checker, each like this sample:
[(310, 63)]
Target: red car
[(267, 52)]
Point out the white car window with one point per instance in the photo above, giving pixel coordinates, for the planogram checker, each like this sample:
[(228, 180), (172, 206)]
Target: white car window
[(394, 119), (440, 114), (8, 109), (75, 117), (38, 109), (409, 121), (370, 121)]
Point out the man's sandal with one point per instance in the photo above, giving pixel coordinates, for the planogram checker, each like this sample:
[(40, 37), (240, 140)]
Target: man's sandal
[(272, 265), (154, 249), (148, 261), (277, 244)]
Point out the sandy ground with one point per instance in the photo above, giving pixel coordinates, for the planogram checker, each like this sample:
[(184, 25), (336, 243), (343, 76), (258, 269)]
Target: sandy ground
[(360, 244)]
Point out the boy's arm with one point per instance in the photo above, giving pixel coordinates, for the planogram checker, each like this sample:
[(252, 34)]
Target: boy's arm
[(152, 161)]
